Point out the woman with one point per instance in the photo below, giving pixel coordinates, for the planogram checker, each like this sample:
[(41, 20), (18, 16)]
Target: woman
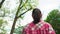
[(38, 26)]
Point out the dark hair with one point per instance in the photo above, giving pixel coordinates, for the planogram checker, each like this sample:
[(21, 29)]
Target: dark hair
[(36, 14)]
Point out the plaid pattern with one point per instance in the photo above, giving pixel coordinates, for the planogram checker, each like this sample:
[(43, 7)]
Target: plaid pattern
[(40, 28)]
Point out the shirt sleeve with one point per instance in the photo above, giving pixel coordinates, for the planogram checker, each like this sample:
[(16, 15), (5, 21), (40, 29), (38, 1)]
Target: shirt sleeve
[(51, 30)]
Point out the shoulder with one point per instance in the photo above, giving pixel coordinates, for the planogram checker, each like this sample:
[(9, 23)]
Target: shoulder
[(28, 25), (47, 24)]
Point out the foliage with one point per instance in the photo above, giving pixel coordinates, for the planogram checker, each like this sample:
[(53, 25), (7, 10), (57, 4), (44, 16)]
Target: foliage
[(18, 30), (54, 19), (2, 26)]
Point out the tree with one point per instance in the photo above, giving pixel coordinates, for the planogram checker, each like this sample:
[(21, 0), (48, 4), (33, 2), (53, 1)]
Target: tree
[(2, 26), (54, 19), (2, 21), (24, 5), (1, 3)]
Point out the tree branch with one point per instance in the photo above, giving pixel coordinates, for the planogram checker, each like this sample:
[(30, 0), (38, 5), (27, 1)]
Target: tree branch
[(20, 7), (21, 2), (1, 3), (24, 12), (24, 4)]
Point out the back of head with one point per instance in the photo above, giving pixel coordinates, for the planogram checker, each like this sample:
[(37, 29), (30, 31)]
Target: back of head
[(36, 14)]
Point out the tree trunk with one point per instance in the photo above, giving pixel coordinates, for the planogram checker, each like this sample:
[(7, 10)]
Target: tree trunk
[(13, 26), (1, 3)]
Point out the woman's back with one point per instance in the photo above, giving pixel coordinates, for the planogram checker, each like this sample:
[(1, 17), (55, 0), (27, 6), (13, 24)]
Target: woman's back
[(39, 28)]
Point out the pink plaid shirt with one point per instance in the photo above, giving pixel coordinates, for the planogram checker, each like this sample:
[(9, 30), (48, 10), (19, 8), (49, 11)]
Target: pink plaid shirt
[(40, 28)]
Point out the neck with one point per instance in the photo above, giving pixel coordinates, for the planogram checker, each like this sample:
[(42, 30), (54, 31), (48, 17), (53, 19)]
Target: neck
[(35, 22)]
